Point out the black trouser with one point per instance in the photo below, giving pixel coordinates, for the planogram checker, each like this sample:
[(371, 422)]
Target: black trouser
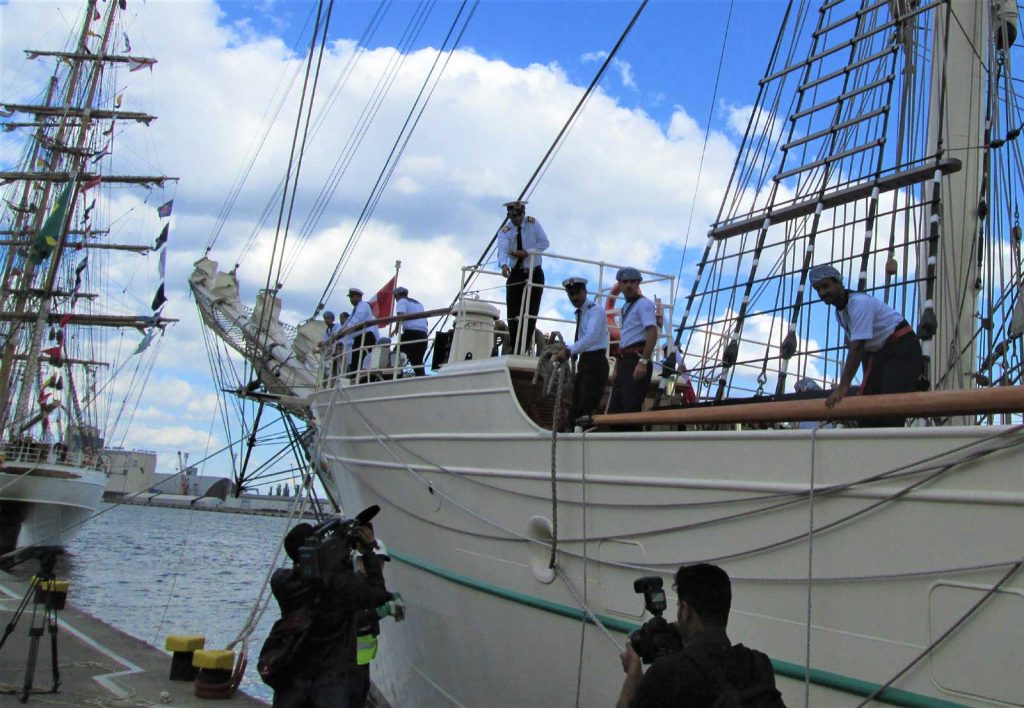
[(514, 303), (895, 368), (413, 344), (360, 348), (628, 395), (591, 377)]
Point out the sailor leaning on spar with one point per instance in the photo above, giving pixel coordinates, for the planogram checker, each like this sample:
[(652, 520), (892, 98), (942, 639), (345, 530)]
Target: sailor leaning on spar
[(877, 336)]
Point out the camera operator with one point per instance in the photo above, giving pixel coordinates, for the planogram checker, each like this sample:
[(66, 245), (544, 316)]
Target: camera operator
[(324, 671), (709, 670)]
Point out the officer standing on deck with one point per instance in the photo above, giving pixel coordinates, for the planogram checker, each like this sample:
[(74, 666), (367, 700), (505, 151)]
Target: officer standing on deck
[(639, 336), (876, 335), (522, 234), (413, 342), (590, 345), (362, 339), (328, 346)]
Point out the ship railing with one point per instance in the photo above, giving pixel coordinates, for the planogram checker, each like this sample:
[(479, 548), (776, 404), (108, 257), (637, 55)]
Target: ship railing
[(484, 284), (382, 360), (33, 452)]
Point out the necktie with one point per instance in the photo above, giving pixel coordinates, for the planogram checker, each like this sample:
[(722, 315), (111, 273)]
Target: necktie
[(519, 246), (576, 336)]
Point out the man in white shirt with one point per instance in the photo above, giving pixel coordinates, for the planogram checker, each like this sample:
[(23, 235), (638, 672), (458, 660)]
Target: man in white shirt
[(328, 346), (633, 369), (362, 338), (589, 348), (413, 341), (877, 336), (516, 240)]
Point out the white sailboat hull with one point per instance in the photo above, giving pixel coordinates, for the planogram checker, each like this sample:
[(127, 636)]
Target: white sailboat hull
[(49, 500), (895, 560)]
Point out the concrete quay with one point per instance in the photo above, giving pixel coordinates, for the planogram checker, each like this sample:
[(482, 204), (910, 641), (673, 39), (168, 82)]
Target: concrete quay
[(98, 664)]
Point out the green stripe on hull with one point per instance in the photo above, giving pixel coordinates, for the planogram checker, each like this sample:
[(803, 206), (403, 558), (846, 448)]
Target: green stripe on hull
[(818, 677)]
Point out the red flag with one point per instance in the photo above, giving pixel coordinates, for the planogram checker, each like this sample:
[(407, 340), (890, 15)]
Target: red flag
[(94, 182), (382, 304), (65, 320), (53, 353)]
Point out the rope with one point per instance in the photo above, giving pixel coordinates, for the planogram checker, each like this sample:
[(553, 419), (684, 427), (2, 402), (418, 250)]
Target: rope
[(174, 578), (534, 180), (942, 637), (586, 608), (263, 597), (586, 563), (810, 570), (551, 371)]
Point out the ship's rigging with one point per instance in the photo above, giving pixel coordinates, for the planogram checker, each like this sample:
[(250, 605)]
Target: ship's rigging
[(56, 295)]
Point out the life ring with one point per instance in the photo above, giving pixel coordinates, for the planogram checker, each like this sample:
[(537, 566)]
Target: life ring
[(614, 333)]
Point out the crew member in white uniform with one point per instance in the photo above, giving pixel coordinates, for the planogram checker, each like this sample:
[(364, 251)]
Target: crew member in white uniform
[(877, 336), (329, 347), (633, 367), (589, 349), (362, 338), (515, 240), (413, 340)]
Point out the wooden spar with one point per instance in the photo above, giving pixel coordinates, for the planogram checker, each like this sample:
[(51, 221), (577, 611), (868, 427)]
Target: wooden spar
[(112, 58), (139, 322), (60, 177), (93, 113), (1005, 399), (90, 245)]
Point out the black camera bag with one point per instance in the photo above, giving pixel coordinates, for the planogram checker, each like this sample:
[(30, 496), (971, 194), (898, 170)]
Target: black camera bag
[(278, 663)]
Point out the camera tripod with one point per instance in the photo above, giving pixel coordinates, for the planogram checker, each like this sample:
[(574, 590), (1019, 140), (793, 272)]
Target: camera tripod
[(40, 591)]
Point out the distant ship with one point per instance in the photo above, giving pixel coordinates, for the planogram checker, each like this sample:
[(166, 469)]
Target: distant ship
[(58, 355)]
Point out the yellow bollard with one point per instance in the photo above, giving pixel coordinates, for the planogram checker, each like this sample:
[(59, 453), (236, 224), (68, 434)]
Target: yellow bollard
[(183, 648)]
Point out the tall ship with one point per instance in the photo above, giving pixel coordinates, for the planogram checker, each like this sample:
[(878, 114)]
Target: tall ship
[(873, 565), (66, 315)]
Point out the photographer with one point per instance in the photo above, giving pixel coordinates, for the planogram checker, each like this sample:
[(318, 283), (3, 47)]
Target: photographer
[(709, 670), (321, 668)]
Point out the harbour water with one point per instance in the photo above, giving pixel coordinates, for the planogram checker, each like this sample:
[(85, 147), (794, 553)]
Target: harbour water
[(152, 572)]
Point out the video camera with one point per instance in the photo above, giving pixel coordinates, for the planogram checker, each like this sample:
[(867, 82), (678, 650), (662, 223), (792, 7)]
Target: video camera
[(656, 637), (329, 547)]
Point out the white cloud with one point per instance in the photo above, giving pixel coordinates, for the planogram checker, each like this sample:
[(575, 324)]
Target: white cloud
[(619, 189), (624, 68)]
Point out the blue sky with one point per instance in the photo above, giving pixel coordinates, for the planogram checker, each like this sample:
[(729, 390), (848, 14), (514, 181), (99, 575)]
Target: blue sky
[(621, 189)]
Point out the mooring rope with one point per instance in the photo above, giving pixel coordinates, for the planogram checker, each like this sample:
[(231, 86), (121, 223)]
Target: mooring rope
[(552, 373), (810, 569)]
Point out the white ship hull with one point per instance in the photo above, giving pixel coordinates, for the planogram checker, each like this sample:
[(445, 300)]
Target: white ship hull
[(45, 503), (896, 559)]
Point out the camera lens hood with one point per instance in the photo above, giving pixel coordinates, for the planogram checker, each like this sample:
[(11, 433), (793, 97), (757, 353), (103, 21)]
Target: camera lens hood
[(364, 516)]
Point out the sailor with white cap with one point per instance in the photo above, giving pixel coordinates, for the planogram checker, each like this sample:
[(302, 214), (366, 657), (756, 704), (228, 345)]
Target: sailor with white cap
[(876, 335), (589, 347), (633, 368), (328, 345), (362, 338), (413, 339), (516, 240)]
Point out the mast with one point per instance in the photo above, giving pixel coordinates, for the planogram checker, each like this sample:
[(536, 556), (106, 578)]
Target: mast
[(35, 342), (64, 125), (956, 128), (6, 363)]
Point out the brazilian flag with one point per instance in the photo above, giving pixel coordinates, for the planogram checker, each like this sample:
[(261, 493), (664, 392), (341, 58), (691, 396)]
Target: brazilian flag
[(43, 243)]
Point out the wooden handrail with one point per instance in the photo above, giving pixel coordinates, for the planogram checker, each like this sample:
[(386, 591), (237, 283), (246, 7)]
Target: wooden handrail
[(1007, 399)]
